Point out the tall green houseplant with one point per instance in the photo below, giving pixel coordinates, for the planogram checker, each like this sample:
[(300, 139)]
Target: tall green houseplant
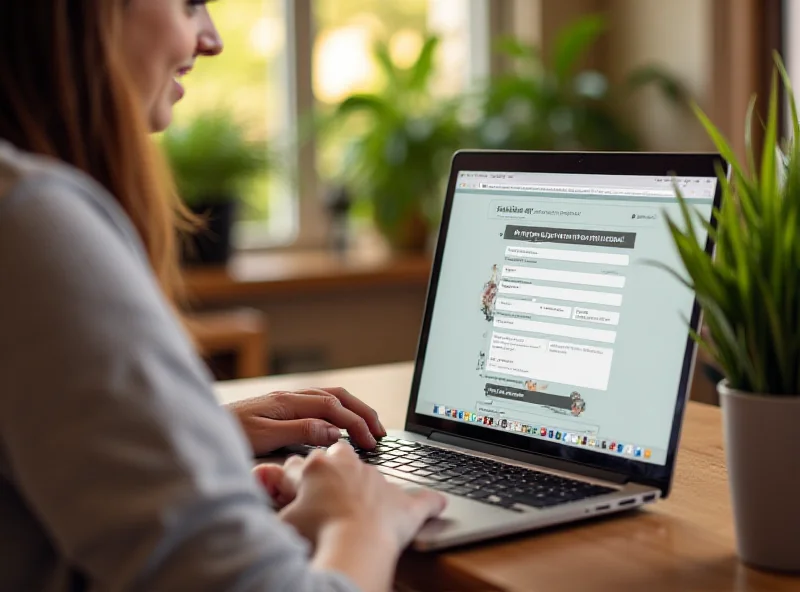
[(750, 296), (398, 163), (554, 103)]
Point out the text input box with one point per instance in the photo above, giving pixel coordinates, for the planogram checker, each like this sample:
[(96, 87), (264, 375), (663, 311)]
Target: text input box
[(556, 293), (605, 317), (566, 277), (534, 308), (601, 335), (585, 366), (568, 255)]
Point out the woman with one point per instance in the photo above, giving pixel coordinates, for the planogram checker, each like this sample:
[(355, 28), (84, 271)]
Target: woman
[(118, 471)]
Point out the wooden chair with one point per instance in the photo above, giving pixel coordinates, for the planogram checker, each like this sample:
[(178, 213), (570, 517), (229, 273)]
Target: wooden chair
[(240, 331)]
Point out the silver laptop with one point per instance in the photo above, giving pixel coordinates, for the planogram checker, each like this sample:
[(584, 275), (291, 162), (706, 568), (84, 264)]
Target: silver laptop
[(554, 360)]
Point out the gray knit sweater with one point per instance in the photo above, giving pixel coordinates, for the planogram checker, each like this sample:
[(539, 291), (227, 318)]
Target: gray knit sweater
[(118, 470)]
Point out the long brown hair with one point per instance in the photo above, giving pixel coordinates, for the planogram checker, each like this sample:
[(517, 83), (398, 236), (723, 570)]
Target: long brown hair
[(65, 93)]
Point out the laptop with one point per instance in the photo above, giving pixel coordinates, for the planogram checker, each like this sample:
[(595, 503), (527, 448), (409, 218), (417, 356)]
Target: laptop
[(555, 356)]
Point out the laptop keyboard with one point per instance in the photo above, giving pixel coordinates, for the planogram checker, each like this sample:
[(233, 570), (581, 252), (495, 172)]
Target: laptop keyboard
[(477, 478)]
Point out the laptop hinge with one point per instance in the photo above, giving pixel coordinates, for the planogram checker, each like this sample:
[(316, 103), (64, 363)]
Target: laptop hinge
[(529, 457)]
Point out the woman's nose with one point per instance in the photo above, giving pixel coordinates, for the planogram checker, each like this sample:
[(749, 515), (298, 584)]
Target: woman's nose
[(209, 42)]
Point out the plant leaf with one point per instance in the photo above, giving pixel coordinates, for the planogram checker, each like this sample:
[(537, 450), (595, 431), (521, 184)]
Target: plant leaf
[(423, 66), (573, 41)]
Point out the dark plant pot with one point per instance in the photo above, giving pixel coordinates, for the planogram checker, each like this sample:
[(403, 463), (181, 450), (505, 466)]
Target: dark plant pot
[(411, 234), (211, 246)]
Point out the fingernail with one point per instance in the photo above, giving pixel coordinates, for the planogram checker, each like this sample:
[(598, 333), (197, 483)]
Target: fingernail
[(334, 434)]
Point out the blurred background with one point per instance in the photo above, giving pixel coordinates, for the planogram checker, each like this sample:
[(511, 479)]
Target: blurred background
[(317, 145)]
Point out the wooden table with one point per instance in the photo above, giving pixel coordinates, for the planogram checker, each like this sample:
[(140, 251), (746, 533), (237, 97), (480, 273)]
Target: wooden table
[(683, 543)]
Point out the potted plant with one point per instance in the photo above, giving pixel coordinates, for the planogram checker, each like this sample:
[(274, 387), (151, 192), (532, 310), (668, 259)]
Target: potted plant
[(554, 104), (211, 159), (749, 292), (398, 161)]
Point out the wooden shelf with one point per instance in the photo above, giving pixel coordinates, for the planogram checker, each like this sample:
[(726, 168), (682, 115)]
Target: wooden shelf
[(253, 275)]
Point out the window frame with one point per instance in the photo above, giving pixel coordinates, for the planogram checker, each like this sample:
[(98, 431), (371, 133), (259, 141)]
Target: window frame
[(312, 224)]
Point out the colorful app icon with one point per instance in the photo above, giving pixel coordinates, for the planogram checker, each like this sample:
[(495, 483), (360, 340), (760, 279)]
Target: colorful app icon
[(491, 421), (637, 452), (604, 445), (647, 453), (558, 435), (592, 442), (460, 414), (543, 432), (550, 433), (620, 448), (567, 437), (613, 446), (584, 440), (629, 449), (485, 421), (436, 410), (575, 438)]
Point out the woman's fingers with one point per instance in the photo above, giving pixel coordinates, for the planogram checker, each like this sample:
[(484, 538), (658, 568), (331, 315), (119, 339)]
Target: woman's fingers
[(276, 483), (360, 408), (314, 403)]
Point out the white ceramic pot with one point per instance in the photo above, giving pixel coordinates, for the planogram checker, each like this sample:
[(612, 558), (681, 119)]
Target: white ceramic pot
[(762, 449)]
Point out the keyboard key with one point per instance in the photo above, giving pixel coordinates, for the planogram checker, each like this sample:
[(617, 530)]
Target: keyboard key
[(442, 486)]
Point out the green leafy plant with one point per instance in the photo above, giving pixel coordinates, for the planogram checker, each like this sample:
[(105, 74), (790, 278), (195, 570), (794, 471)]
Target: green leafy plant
[(398, 161), (750, 290), (553, 104), (212, 158)]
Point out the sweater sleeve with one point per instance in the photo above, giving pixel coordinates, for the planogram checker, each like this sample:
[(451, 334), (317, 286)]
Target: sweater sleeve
[(107, 416)]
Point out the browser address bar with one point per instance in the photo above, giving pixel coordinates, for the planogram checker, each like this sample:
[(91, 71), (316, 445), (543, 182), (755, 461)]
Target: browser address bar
[(580, 190)]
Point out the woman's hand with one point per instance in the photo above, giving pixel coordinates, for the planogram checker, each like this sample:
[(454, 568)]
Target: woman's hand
[(357, 521), (333, 489), (309, 416)]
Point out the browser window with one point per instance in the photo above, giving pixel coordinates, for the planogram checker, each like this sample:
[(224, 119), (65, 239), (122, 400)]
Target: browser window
[(550, 318)]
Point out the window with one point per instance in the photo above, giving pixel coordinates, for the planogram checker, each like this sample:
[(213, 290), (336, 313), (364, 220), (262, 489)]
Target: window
[(285, 58)]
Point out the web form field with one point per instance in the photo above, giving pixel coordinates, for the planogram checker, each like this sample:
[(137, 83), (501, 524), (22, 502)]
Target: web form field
[(554, 293), (534, 308), (587, 333), (566, 363), (606, 317), (566, 277), (568, 255)]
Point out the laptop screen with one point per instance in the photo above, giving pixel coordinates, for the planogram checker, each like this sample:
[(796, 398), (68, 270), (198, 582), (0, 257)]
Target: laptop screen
[(551, 320)]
